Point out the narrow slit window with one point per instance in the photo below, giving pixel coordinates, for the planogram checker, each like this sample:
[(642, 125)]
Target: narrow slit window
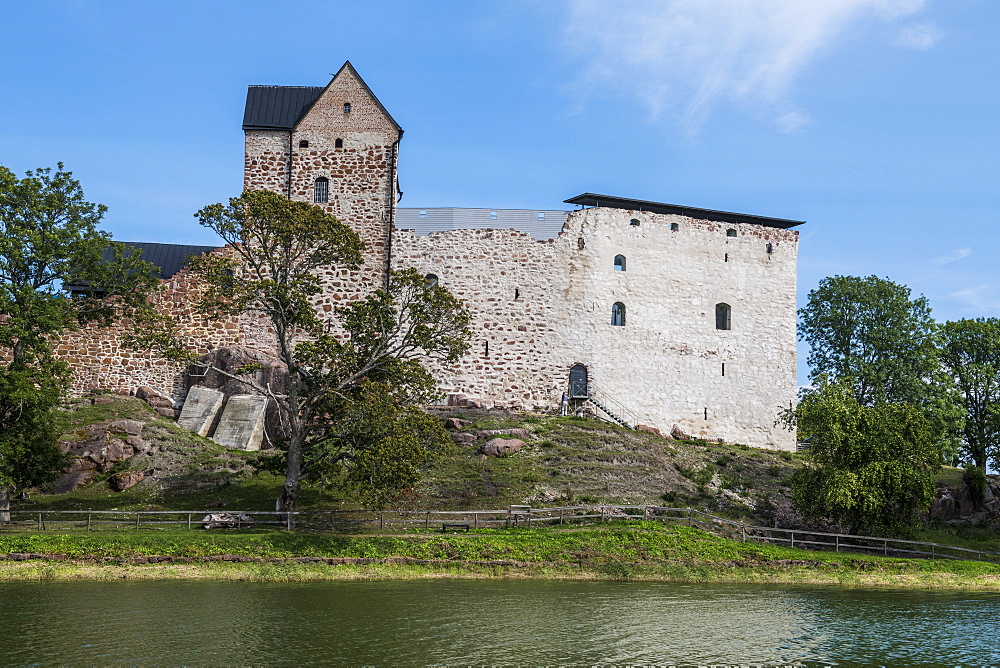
[(727, 257), (321, 190), (338, 143), (723, 316), (517, 293), (723, 368), (769, 248), (619, 263), (618, 314)]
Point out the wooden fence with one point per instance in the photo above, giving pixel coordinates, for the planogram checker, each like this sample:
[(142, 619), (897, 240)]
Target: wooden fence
[(369, 520)]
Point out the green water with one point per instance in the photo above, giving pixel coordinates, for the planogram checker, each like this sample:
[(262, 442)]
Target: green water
[(488, 622)]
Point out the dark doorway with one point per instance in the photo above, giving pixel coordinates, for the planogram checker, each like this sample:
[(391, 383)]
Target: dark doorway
[(578, 382)]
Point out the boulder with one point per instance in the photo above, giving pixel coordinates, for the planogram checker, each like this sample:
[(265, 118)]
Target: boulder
[(72, 481), (456, 423), (499, 447), (516, 432), (649, 430), (122, 481), (679, 433), (201, 406), (464, 438)]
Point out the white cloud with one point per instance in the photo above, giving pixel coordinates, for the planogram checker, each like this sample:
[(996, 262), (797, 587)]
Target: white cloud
[(919, 36), (954, 256), (977, 299), (685, 57)]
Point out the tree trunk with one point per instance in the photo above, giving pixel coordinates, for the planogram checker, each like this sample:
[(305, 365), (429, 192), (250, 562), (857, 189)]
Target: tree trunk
[(293, 476), (4, 505)]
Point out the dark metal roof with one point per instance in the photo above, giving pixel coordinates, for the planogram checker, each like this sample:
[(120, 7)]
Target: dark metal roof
[(282, 107), (593, 199), (278, 107), (168, 258)]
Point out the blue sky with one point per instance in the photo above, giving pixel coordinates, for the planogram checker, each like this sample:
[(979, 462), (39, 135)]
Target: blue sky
[(874, 120)]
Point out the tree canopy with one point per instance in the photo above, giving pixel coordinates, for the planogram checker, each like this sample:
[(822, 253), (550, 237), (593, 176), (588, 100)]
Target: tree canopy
[(50, 242), (352, 376), (970, 354), (868, 332), (871, 466)]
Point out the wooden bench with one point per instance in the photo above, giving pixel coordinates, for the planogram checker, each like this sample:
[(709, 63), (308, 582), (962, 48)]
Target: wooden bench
[(446, 526)]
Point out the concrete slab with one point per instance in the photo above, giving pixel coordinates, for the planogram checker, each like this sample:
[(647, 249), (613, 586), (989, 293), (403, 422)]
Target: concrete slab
[(200, 408), (242, 423)]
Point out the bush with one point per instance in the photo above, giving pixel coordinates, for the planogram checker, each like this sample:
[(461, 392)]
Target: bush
[(699, 476)]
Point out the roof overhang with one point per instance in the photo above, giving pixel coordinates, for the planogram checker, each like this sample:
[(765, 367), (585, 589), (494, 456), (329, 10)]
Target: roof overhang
[(609, 201)]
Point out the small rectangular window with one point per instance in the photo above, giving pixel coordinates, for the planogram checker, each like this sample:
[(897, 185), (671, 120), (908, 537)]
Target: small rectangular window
[(674, 227), (493, 215), (422, 213), (541, 215), (303, 143), (347, 107)]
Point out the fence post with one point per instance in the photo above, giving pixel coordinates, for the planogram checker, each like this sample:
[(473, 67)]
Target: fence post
[(189, 521), (837, 538), (743, 531), (690, 517), (932, 552), (39, 521), (560, 516), (427, 520), (793, 539), (288, 521), (137, 520), (381, 519), (331, 520), (88, 521), (475, 518)]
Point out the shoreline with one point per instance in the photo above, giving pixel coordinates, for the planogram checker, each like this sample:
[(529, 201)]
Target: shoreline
[(640, 552)]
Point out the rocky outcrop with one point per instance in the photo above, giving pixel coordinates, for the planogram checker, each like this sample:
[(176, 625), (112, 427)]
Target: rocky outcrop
[(954, 505), (499, 447), (160, 403), (122, 481), (96, 449), (487, 434), (679, 434)]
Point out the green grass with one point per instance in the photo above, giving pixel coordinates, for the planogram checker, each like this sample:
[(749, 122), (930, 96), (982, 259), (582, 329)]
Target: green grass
[(637, 551)]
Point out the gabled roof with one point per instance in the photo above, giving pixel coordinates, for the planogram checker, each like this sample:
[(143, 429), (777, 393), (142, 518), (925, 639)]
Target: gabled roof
[(593, 199), (282, 107), (168, 258), (278, 107)]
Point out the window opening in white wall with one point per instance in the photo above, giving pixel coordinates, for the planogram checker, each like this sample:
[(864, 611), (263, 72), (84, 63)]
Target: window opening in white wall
[(321, 189), (731, 232), (723, 368), (431, 280), (517, 293), (723, 316), (581, 244), (619, 263), (727, 257), (338, 143), (674, 227), (769, 248), (618, 314), (422, 213), (634, 222), (493, 215), (541, 215), (303, 143)]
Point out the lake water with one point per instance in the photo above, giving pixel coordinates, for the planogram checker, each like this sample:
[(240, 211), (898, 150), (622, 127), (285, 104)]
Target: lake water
[(489, 622)]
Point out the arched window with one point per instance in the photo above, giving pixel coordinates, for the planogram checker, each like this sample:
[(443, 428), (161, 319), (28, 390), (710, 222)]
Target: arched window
[(338, 143), (618, 314), (619, 263), (634, 222), (347, 107), (723, 316), (730, 232), (321, 191), (431, 280)]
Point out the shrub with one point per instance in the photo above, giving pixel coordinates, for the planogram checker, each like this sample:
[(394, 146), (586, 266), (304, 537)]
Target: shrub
[(974, 479)]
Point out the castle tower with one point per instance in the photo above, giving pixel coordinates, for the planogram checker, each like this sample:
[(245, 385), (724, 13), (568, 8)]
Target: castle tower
[(335, 146)]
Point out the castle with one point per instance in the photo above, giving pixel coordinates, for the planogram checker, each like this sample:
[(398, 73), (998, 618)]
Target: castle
[(674, 317)]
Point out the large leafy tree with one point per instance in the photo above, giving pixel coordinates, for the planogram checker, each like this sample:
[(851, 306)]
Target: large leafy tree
[(970, 353), (871, 467), (870, 333), (352, 376), (49, 241)]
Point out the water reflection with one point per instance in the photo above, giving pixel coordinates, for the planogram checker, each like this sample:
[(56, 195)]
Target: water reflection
[(461, 622)]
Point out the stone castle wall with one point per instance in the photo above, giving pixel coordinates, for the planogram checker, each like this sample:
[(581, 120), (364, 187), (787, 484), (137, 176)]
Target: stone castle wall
[(666, 363)]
